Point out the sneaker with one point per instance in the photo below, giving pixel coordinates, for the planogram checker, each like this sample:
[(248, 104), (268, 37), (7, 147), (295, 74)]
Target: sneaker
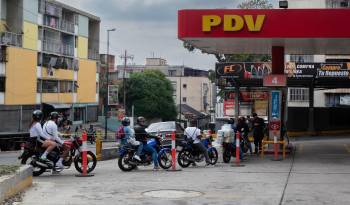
[(59, 166), (137, 158), (156, 169), (44, 159), (194, 164)]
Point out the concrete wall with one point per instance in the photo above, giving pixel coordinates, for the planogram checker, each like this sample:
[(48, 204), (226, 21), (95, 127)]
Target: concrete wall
[(14, 15), (83, 26), (82, 47), (86, 81), (21, 80), (3, 9), (30, 35), (30, 11)]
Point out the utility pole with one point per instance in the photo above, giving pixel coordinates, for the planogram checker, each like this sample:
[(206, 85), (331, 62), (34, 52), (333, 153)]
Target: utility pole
[(107, 82), (125, 57)]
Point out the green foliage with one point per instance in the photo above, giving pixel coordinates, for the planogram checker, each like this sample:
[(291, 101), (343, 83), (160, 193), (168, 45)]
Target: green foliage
[(256, 4), (151, 94)]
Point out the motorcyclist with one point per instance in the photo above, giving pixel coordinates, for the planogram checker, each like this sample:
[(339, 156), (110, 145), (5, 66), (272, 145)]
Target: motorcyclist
[(37, 134), (243, 128), (130, 138), (141, 135), (51, 130), (195, 133)]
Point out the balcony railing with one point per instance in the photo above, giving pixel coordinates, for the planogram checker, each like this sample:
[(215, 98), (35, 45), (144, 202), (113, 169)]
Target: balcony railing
[(52, 46), (93, 54), (53, 10), (67, 50), (67, 26), (13, 39)]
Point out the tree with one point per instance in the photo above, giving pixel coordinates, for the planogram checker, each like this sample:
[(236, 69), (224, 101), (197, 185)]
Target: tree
[(255, 4), (151, 94)]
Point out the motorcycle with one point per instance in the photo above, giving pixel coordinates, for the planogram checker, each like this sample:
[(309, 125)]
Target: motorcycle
[(127, 163), (229, 149), (188, 154), (32, 152)]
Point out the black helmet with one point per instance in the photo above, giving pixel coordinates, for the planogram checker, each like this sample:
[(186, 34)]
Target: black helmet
[(126, 121), (140, 120), (54, 115), (37, 115)]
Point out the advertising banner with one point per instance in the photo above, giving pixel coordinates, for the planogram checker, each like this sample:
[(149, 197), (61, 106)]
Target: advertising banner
[(229, 107), (300, 70), (243, 70), (333, 70), (275, 104)]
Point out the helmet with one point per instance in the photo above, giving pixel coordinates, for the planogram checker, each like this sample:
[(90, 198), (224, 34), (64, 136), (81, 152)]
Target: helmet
[(140, 120), (126, 121), (54, 115), (37, 115)]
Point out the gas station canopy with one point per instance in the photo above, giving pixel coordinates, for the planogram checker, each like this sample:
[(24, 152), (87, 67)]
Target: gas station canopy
[(256, 31)]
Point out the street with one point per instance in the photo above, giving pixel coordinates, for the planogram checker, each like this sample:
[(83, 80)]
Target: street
[(317, 174)]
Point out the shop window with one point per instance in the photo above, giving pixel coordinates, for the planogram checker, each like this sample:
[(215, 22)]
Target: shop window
[(2, 83)]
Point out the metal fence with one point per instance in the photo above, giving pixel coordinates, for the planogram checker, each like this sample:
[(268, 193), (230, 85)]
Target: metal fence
[(93, 54), (67, 26)]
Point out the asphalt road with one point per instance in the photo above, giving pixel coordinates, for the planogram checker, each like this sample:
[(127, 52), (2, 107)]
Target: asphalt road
[(318, 173)]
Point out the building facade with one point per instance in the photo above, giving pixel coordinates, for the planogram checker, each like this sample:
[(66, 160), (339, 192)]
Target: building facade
[(49, 56), (194, 84), (299, 97)]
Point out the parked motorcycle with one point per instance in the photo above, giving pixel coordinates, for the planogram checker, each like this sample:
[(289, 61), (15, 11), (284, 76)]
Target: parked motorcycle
[(126, 153), (229, 149), (31, 155), (188, 154)]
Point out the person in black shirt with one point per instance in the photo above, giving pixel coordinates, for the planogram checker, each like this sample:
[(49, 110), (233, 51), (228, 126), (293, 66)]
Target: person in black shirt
[(258, 132), (141, 136)]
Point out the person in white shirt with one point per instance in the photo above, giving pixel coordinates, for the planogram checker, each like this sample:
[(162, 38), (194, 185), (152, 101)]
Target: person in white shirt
[(51, 130), (36, 134), (195, 133)]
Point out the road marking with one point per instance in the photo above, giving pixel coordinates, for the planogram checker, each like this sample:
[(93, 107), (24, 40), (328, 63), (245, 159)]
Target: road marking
[(347, 147), (301, 147)]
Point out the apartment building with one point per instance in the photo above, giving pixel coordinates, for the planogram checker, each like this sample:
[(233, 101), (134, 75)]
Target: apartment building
[(192, 87), (49, 58)]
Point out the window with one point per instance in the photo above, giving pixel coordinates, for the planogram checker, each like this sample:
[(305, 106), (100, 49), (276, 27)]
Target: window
[(55, 86), (184, 99), (184, 86), (299, 94), (2, 83), (49, 86), (301, 58), (172, 72)]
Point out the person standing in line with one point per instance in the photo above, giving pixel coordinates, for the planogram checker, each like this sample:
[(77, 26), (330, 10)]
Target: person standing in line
[(258, 132)]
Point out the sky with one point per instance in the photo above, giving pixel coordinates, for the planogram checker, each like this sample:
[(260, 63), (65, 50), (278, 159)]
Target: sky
[(148, 28)]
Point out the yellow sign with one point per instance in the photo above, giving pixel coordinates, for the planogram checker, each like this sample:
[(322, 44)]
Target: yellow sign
[(233, 22)]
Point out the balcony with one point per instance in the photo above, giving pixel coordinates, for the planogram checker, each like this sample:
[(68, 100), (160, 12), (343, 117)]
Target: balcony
[(93, 54), (9, 38), (52, 46), (67, 26), (67, 50)]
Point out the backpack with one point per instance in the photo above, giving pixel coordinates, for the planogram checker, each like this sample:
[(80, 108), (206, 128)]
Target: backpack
[(120, 134)]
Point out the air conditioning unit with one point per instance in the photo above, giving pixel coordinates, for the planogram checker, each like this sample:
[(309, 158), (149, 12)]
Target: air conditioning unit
[(5, 40)]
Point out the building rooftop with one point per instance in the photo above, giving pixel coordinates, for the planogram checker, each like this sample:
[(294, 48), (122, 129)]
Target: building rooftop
[(90, 16)]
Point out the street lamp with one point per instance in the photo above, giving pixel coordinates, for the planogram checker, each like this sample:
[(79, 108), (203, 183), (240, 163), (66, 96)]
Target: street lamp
[(107, 81)]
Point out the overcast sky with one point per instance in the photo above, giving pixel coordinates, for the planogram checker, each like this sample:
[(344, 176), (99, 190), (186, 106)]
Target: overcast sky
[(149, 27)]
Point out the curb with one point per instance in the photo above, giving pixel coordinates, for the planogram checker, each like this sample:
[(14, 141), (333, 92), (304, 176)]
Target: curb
[(109, 153), (10, 185), (317, 133)]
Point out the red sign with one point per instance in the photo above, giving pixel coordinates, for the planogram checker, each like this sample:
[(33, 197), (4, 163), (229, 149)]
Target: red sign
[(275, 81), (275, 125), (264, 23)]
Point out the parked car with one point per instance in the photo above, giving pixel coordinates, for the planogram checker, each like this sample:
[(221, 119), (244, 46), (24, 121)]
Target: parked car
[(164, 129)]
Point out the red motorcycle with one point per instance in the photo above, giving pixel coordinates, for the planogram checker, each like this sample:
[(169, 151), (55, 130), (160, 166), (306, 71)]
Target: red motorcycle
[(33, 150)]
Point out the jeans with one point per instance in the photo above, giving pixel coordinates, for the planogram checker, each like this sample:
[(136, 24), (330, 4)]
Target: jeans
[(201, 148), (150, 150), (139, 149)]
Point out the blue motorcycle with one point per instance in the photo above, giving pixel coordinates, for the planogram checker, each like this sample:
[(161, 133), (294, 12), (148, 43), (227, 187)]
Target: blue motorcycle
[(189, 155), (126, 153)]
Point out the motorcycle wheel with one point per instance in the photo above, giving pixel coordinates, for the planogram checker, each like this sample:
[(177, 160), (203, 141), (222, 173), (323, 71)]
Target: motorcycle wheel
[(226, 156), (165, 160), (92, 161), (213, 156), (37, 171), (183, 158), (123, 163)]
